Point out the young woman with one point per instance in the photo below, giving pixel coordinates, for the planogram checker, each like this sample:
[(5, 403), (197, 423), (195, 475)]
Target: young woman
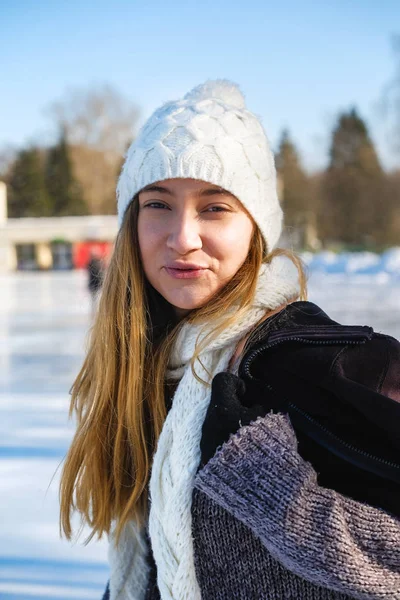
[(232, 440)]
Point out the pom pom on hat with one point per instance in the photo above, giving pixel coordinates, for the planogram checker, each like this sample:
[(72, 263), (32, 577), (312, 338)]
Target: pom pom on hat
[(220, 89)]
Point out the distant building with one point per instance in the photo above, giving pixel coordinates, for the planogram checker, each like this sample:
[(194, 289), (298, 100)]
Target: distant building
[(52, 242)]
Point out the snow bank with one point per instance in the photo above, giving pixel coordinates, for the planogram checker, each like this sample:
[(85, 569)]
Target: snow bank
[(355, 263)]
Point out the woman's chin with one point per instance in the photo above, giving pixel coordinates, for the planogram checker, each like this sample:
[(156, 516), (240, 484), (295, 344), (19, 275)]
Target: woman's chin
[(187, 303)]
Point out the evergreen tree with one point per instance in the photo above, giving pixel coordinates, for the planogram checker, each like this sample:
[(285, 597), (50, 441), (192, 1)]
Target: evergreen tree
[(393, 229), (61, 184), (299, 204), (294, 197), (354, 188), (28, 195)]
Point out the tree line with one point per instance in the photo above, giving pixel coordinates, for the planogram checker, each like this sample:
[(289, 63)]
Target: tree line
[(77, 174), (353, 203), (42, 183)]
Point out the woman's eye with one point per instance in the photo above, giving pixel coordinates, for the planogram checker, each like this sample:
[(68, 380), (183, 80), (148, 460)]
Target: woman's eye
[(217, 209), (155, 205)]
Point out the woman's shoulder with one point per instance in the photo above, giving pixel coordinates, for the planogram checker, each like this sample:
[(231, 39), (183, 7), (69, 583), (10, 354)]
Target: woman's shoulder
[(304, 317), (305, 338), (306, 321)]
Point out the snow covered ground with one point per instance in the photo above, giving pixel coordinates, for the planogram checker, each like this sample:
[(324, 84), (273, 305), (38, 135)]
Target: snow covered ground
[(44, 320), (43, 323)]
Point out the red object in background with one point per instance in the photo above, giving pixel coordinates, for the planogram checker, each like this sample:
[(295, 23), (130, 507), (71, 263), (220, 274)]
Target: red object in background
[(82, 252)]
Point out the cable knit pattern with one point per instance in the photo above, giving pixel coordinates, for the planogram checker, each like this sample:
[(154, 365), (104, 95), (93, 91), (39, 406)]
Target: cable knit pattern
[(330, 540), (211, 136), (177, 456)]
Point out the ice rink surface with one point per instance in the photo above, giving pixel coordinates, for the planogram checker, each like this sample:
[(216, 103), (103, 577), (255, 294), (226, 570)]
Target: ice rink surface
[(44, 320)]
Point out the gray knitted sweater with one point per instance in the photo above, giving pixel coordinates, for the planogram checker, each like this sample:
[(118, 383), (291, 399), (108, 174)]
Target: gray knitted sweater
[(264, 529)]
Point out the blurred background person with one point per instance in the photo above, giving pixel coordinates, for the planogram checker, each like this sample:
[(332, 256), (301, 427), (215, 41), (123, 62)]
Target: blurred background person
[(95, 270)]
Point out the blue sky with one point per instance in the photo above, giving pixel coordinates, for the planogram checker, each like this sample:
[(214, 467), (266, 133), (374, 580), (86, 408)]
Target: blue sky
[(298, 63)]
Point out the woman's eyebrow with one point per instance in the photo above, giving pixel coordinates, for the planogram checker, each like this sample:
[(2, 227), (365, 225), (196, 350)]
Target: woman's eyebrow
[(213, 192), (201, 193), (157, 188)]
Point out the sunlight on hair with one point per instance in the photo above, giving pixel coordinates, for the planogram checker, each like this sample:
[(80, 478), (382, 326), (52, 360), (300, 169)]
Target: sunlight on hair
[(119, 394)]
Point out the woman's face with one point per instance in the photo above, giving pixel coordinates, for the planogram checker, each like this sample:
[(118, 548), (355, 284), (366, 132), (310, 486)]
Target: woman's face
[(193, 238)]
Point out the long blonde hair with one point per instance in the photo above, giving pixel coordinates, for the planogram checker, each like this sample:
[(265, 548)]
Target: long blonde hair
[(119, 394)]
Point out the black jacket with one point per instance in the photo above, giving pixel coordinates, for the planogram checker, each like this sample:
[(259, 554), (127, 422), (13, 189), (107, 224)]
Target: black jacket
[(340, 385)]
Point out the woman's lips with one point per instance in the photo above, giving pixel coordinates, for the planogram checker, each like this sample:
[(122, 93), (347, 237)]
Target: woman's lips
[(190, 273)]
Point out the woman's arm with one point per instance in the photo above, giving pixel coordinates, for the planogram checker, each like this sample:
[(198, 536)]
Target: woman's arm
[(329, 539)]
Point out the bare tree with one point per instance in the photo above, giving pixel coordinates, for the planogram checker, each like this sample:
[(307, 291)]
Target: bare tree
[(99, 124), (7, 158), (97, 172), (97, 117)]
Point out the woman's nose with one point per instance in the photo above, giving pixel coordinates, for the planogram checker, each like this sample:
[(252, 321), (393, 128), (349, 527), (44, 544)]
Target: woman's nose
[(184, 236)]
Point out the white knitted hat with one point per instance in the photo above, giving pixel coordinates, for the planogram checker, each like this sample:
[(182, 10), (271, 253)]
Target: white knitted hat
[(211, 136)]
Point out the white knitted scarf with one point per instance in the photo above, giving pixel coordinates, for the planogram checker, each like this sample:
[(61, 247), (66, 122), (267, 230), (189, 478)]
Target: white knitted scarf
[(177, 457)]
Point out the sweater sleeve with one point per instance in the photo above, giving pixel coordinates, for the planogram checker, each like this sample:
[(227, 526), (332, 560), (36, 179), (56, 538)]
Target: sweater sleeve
[(326, 538)]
